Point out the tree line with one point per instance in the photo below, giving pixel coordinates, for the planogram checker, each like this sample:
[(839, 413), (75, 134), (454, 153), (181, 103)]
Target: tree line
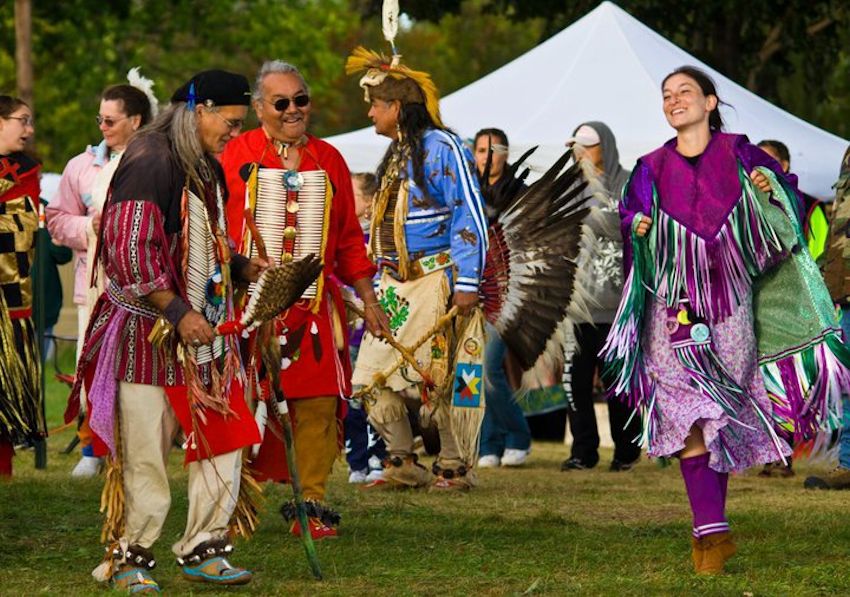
[(794, 53)]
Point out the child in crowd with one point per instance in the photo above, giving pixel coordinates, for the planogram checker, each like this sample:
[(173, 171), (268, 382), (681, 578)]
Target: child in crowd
[(364, 448)]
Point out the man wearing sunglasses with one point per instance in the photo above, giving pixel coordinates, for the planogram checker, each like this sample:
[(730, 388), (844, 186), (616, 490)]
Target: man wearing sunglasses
[(299, 191)]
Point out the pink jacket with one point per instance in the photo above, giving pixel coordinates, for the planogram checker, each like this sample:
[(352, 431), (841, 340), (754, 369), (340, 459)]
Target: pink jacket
[(69, 213)]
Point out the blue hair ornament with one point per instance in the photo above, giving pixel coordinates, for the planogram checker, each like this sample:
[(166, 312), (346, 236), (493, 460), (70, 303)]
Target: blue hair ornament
[(192, 98)]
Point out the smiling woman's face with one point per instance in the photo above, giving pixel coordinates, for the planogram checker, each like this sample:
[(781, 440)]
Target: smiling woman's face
[(685, 105), (290, 124)]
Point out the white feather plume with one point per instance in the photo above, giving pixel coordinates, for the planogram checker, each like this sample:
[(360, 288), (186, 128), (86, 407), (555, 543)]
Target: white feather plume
[(145, 85), (390, 21)]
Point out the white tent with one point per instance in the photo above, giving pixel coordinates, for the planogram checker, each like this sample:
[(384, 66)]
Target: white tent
[(606, 66)]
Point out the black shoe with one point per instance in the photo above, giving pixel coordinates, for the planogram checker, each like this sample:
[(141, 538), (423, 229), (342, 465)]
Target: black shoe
[(618, 466), (838, 478), (576, 464)]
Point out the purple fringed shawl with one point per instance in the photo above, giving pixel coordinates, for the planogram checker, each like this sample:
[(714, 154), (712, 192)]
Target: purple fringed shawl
[(710, 243), (709, 240), (700, 197)]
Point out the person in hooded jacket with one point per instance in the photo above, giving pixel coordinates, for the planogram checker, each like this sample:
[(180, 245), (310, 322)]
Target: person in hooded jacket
[(595, 146)]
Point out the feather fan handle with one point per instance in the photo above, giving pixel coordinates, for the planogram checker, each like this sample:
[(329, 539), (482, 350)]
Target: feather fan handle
[(145, 85), (390, 22)]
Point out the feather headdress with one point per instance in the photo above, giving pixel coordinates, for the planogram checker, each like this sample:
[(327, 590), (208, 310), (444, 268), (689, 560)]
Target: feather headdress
[(145, 85), (385, 78)]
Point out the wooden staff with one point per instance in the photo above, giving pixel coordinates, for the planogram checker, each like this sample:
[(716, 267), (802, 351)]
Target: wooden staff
[(278, 404), (380, 379), (406, 354)]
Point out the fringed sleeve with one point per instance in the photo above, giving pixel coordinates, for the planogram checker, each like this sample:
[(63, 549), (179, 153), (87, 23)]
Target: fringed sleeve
[(804, 362), (637, 198), (623, 370)]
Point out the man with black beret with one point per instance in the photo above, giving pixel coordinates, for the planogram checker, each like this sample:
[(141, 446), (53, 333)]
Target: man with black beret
[(152, 362)]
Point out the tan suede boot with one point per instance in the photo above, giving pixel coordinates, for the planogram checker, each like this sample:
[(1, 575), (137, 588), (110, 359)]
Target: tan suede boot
[(406, 472), (457, 478), (716, 549), (696, 553)]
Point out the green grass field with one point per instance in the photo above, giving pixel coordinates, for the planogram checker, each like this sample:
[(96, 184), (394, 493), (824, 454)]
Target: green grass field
[(531, 531)]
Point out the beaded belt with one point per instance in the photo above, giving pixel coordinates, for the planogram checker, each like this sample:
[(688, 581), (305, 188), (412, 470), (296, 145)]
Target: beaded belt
[(419, 267), (136, 307)]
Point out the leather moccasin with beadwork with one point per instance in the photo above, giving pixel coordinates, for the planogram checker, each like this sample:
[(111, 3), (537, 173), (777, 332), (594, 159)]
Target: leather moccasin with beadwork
[(134, 580), (218, 571)]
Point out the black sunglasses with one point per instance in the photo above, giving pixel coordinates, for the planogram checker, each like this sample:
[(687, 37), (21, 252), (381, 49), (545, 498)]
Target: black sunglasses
[(282, 104)]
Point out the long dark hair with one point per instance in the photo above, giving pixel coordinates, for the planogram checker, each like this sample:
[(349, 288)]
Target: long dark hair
[(706, 84), (779, 147), (9, 104), (413, 121), (134, 100), (492, 132)]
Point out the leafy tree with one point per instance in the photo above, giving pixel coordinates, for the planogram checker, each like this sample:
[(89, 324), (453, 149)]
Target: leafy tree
[(792, 52)]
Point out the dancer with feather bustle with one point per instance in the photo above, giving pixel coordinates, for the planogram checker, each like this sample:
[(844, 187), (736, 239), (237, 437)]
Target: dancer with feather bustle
[(429, 237)]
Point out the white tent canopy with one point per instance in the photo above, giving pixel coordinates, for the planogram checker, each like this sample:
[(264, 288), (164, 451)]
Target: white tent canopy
[(606, 66)]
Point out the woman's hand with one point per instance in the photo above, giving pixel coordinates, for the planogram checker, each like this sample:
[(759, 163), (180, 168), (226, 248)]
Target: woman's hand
[(643, 225), (761, 181), (95, 222)]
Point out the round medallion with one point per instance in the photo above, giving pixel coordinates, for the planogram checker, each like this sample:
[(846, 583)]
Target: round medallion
[(287, 257), (700, 332), (293, 180), (292, 206), (290, 232), (472, 346)]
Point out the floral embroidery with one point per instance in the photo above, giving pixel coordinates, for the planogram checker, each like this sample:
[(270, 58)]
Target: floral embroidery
[(396, 307)]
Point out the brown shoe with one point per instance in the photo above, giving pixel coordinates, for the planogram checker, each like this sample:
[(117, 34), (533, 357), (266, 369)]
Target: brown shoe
[(716, 549), (459, 478), (777, 469), (838, 478), (696, 553), (406, 472)]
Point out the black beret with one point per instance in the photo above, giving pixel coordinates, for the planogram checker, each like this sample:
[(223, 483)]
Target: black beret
[(218, 86)]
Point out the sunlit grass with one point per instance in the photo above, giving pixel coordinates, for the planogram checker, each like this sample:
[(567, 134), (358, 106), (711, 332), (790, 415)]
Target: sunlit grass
[(533, 530)]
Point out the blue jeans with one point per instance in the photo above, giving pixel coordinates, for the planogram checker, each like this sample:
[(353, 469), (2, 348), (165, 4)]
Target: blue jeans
[(844, 439), (504, 425), (48, 345), (361, 441)]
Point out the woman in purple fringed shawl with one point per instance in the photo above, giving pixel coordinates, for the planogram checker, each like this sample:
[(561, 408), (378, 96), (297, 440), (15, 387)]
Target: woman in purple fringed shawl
[(699, 229)]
